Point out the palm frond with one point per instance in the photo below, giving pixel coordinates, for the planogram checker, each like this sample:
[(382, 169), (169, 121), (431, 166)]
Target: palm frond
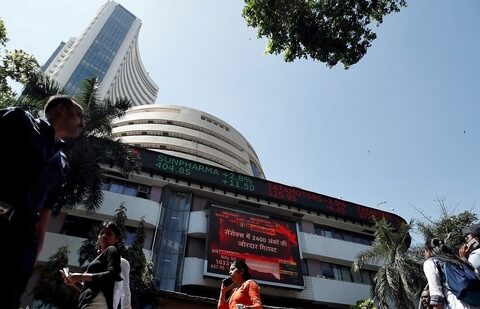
[(115, 153), (364, 257), (89, 92)]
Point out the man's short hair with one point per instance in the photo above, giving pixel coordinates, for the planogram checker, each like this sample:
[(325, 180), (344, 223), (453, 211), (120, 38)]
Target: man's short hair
[(473, 229), (56, 100)]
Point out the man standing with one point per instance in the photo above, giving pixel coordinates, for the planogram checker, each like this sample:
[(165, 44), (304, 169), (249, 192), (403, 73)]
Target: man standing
[(33, 171), (471, 250)]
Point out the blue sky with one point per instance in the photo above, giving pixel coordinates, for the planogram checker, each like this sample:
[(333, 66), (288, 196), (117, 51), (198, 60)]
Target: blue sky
[(400, 126)]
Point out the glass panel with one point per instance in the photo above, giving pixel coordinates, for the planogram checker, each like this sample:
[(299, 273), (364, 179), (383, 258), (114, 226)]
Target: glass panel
[(366, 277), (337, 272), (103, 49), (130, 189), (346, 275), (326, 270), (357, 276), (117, 187), (169, 248), (337, 234)]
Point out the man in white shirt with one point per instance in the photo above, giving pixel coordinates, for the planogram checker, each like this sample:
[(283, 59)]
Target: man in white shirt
[(471, 250), (121, 292)]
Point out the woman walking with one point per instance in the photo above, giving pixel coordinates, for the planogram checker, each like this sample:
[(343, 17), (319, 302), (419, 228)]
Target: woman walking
[(96, 284)]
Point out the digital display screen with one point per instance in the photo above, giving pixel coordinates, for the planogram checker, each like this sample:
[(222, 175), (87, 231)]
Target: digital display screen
[(268, 246), (188, 170)]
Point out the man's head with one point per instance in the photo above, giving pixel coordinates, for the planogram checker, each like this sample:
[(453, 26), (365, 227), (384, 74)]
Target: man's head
[(471, 232), (425, 298), (65, 115)]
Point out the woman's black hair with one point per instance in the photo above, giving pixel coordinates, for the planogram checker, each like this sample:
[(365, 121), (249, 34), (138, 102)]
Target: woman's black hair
[(442, 252), (241, 265), (112, 226)]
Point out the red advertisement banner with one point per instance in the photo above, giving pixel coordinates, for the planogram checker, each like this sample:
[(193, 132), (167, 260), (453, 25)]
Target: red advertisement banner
[(268, 246)]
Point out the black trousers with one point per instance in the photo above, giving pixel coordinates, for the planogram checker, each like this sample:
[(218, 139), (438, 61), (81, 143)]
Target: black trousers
[(17, 259)]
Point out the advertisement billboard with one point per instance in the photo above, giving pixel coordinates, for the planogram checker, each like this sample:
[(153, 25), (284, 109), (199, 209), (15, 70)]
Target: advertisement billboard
[(220, 178), (268, 246)]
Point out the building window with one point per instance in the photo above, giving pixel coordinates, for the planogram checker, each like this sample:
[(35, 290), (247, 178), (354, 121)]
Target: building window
[(305, 267), (255, 170), (344, 273), (126, 188), (327, 270), (171, 241), (331, 232), (79, 226)]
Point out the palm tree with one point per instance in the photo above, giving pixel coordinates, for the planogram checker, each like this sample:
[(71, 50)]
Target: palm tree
[(95, 145), (400, 278)]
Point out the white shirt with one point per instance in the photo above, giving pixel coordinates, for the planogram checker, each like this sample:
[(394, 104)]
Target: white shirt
[(437, 288), (121, 291), (474, 259)]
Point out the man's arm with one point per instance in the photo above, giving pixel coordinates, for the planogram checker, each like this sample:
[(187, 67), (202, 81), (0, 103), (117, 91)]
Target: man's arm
[(41, 227)]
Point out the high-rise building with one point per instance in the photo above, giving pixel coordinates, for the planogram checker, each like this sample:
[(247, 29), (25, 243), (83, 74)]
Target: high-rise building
[(107, 49), (203, 197)]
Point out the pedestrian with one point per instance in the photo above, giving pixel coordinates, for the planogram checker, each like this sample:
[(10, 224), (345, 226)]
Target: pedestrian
[(239, 291), (424, 302), (97, 283), (441, 293), (33, 170), (121, 294), (470, 251)]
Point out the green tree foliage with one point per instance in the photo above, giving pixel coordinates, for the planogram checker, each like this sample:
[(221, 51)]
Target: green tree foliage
[(88, 250), (16, 65), (50, 289), (329, 31), (400, 278), (448, 226), (364, 304), (93, 147), (141, 271)]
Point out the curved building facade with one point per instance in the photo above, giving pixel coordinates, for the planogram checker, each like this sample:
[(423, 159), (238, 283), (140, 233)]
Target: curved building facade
[(190, 134), (107, 49)]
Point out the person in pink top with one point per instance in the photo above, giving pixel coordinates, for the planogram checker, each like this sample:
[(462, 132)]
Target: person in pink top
[(243, 292)]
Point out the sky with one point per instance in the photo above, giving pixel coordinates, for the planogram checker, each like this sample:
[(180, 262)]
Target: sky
[(397, 131)]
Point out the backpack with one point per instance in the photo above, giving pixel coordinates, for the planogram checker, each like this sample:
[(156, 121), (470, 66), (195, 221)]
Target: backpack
[(461, 280)]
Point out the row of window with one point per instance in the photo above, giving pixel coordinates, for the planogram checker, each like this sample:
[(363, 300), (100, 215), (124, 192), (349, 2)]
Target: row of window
[(340, 272), (344, 273), (126, 188), (84, 227), (331, 232)]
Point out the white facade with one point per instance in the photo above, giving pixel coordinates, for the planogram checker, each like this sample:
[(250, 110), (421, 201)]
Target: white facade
[(124, 75), (337, 290), (190, 134)]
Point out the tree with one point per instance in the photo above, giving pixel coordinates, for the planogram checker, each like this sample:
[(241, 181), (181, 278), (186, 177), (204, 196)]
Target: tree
[(364, 304), (400, 278), (16, 65), (88, 250), (94, 146), (141, 271), (448, 226), (329, 31), (50, 288)]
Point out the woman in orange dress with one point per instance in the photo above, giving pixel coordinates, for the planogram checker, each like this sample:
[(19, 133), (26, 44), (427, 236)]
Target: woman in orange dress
[(244, 292)]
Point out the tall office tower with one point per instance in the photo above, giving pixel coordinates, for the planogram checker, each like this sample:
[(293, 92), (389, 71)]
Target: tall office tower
[(108, 49)]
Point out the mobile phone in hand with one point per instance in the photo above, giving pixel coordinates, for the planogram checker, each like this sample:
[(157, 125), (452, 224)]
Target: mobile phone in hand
[(227, 281), (473, 244), (66, 271)]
